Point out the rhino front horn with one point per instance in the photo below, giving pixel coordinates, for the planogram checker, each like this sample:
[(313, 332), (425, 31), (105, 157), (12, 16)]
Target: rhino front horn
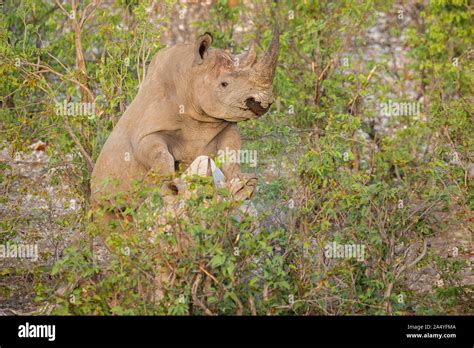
[(266, 65)]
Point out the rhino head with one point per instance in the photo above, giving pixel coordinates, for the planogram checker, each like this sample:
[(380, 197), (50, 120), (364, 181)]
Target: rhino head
[(233, 87)]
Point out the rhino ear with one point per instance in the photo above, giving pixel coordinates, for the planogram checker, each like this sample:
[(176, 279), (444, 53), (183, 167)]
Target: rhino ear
[(202, 46)]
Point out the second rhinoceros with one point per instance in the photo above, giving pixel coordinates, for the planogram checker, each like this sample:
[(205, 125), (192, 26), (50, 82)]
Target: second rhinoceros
[(188, 105)]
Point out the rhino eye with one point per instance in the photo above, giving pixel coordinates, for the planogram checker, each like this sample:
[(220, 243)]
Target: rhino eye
[(224, 84)]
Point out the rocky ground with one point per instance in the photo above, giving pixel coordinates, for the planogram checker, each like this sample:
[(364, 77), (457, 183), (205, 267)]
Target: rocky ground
[(35, 210)]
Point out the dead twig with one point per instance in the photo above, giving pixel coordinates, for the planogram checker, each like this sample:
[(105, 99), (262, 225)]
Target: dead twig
[(196, 299)]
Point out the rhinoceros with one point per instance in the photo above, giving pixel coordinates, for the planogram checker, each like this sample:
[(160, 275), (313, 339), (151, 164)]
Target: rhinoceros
[(188, 105)]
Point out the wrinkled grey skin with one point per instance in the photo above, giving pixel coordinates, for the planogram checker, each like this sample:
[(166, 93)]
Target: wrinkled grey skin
[(188, 105)]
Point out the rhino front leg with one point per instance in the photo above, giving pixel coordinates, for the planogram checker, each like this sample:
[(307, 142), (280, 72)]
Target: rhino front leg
[(242, 185), (226, 142), (152, 152)]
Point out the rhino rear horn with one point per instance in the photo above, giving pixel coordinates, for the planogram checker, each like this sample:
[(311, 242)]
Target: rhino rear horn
[(247, 59)]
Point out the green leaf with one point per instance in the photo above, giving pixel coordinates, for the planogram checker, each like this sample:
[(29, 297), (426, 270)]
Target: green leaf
[(217, 260)]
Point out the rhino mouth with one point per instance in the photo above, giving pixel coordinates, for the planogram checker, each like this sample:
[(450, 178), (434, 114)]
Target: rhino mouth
[(256, 107)]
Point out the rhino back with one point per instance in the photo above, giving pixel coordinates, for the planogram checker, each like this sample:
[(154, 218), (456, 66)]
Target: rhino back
[(115, 167), (152, 110)]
